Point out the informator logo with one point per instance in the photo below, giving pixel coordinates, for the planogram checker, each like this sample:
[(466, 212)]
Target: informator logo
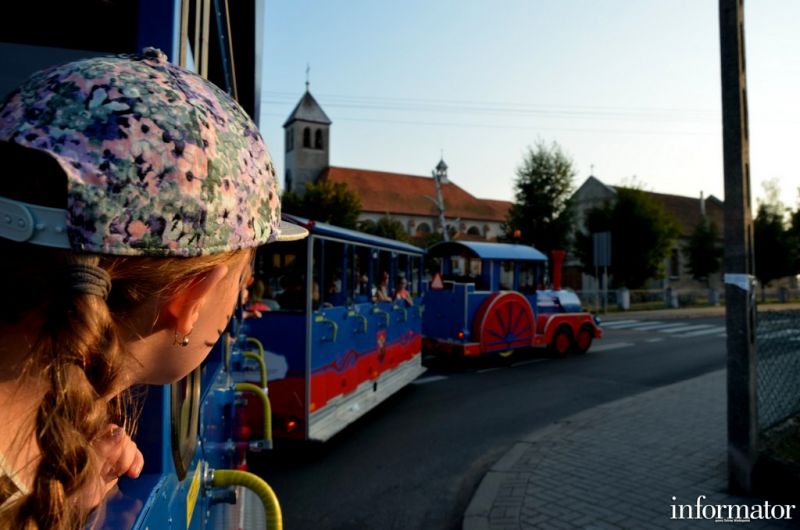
[(702, 509)]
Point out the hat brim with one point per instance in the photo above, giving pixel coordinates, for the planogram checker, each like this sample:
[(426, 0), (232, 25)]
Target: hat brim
[(291, 232)]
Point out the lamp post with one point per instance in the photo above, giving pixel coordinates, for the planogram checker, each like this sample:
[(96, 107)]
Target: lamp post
[(440, 176)]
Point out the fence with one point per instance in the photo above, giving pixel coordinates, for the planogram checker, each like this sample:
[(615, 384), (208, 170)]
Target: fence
[(778, 346)]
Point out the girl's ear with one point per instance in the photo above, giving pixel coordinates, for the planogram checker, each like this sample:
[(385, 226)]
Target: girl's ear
[(184, 306)]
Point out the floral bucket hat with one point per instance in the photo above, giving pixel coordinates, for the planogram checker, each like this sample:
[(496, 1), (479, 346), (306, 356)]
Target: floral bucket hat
[(158, 161)]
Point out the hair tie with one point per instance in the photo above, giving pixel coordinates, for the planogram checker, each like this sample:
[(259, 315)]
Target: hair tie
[(89, 279)]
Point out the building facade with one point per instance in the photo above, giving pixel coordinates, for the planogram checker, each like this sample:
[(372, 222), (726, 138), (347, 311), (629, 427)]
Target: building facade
[(410, 199), (687, 211)]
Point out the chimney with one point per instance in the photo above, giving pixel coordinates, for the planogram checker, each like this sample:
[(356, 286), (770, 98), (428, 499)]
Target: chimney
[(702, 205)]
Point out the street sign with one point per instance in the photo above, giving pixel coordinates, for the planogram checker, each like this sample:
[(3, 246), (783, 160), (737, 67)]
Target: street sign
[(601, 249)]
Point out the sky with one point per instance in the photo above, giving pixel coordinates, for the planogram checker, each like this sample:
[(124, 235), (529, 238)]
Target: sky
[(629, 89)]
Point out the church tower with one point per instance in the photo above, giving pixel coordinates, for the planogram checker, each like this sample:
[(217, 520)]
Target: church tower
[(306, 144)]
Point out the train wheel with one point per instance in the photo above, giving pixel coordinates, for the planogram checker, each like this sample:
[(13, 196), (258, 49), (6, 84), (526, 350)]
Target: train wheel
[(584, 340), (504, 322), (562, 342)]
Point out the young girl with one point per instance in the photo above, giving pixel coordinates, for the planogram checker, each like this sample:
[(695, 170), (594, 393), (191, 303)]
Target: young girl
[(132, 196)]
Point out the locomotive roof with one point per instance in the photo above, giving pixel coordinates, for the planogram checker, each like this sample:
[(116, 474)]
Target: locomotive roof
[(327, 230), (485, 250)]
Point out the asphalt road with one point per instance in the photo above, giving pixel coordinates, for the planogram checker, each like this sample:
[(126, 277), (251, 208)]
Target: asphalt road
[(416, 460)]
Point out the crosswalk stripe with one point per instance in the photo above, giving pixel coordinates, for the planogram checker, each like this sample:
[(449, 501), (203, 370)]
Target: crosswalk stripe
[(656, 339), (610, 346), (701, 332), (656, 326), (614, 323), (622, 325), (686, 328)]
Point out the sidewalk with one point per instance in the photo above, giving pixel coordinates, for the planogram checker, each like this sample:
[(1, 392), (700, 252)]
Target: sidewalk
[(618, 465)]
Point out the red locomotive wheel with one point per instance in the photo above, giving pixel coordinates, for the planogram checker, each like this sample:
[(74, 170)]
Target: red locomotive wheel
[(504, 322), (562, 342), (584, 340)]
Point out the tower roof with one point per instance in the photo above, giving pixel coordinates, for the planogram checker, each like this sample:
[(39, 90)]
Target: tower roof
[(308, 109)]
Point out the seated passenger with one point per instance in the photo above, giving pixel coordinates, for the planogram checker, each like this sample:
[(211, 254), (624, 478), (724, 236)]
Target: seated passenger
[(401, 294), (381, 292)]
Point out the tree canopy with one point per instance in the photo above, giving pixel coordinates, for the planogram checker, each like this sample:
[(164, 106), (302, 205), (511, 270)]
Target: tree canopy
[(387, 227), (642, 236), (704, 251), (325, 201), (542, 211), (775, 240)]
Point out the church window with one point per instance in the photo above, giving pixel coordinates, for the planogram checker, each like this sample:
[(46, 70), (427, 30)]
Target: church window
[(318, 139), (306, 137)]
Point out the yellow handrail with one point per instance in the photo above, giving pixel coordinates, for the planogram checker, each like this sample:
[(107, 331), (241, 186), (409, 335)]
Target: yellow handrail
[(261, 364), (250, 387), (228, 477)]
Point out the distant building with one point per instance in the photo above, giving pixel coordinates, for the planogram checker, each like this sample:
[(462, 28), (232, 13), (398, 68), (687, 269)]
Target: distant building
[(687, 211), (407, 198)]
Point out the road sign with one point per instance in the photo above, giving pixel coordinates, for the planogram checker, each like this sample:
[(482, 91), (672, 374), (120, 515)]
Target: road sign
[(601, 249)]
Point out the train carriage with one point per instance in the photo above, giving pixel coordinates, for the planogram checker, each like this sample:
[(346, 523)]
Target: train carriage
[(488, 298), (337, 342)]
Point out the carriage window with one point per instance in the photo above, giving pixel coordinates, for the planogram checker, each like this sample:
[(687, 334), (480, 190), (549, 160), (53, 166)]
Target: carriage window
[(416, 275), (506, 275), (528, 277), (331, 281), (383, 270), (280, 277), (360, 275)]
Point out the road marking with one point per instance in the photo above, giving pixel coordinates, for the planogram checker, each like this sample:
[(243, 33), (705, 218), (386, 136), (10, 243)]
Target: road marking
[(715, 329), (613, 322), (687, 328), (657, 339), (658, 326), (486, 370), (426, 380), (610, 346), (532, 361), (619, 324)]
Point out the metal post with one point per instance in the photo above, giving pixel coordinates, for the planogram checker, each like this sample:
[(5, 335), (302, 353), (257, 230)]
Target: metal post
[(739, 266)]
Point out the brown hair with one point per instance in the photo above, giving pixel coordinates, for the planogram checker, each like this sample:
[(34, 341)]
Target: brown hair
[(79, 350)]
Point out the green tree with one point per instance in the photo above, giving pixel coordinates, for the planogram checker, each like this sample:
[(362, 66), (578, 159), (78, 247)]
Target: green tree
[(542, 211), (772, 238), (325, 201), (642, 235), (704, 251), (387, 227)]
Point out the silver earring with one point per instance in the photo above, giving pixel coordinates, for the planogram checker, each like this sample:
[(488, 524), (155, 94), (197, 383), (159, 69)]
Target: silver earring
[(183, 342)]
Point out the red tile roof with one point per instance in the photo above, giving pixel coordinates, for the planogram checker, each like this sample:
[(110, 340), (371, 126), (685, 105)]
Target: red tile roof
[(395, 193), (687, 210)]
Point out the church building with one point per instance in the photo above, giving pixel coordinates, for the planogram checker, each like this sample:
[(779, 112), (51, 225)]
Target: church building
[(407, 198)]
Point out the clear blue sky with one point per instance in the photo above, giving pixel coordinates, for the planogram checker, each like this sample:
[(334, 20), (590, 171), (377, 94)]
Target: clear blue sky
[(630, 87)]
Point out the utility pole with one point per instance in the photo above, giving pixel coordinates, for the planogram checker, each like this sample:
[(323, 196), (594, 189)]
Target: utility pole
[(740, 315)]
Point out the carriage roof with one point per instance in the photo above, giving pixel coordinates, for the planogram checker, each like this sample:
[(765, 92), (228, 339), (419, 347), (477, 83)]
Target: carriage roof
[(486, 250), (347, 235)]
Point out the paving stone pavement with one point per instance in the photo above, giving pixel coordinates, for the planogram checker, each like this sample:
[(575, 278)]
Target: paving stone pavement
[(619, 465)]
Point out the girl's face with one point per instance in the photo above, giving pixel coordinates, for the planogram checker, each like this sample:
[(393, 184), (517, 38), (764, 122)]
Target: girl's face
[(168, 362)]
